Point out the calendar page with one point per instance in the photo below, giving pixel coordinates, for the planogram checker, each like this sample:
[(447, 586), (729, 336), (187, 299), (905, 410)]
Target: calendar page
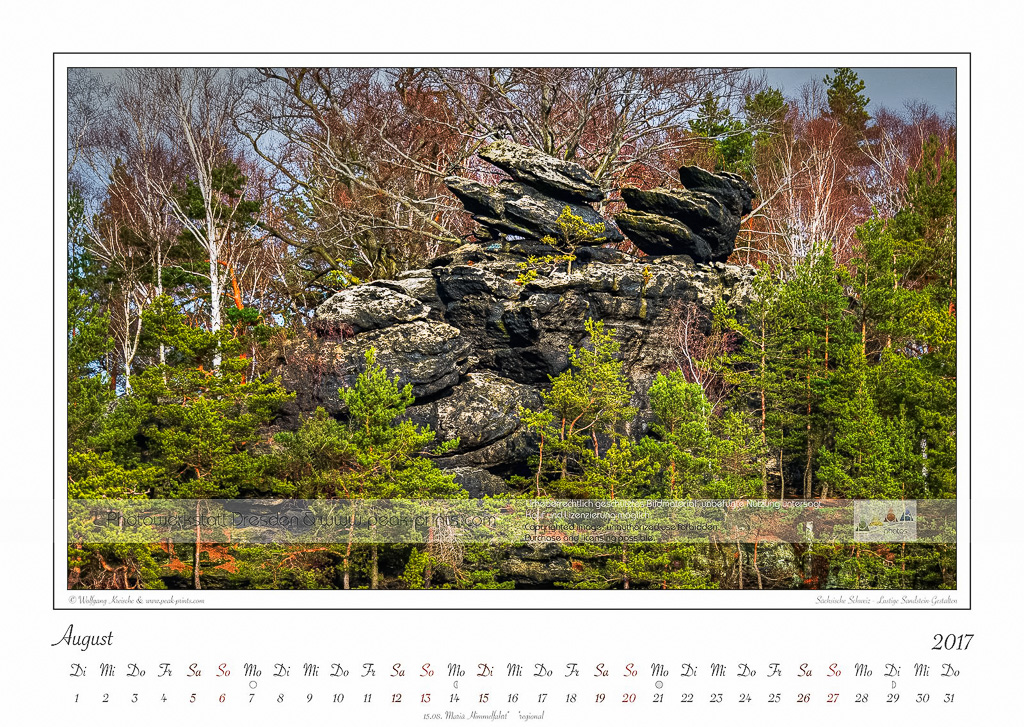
[(520, 387)]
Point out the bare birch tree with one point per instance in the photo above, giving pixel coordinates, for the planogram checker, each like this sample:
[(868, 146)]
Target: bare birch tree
[(200, 106)]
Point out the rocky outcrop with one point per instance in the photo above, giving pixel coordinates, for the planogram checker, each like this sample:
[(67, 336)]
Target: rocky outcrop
[(661, 235), (524, 332), (367, 308), (480, 345), (478, 482), (561, 179), (482, 412), (517, 209), (529, 207), (700, 221), (534, 566), (732, 189), (478, 341), (430, 355), (481, 409)]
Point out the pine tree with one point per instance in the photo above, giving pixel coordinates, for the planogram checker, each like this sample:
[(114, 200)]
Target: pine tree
[(88, 337), (863, 461), (197, 425), (573, 231), (818, 346), (846, 104), (731, 140), (765, 110), (375, 455), (755, 370), (907, 285), (583, 413), (699, 454), (682, 441), (88, 343)]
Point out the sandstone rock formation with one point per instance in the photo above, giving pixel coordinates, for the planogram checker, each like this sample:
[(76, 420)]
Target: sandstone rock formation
[(529, 206), (476, 345), (565, 180), (367, 308), (517, 209), (431, 355), (701, 221)]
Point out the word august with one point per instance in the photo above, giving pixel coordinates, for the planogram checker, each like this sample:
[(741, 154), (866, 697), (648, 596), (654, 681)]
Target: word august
[(85, 640)]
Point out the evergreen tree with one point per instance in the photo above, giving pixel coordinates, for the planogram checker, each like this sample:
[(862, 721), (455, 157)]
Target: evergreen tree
[(197, 425), (907, 284), (765, 110), (766, 115), (731, 140), (88, 343), (846, 104), (583, 413), (573, 231), (817, 344), (700, 455), (864, 459), (88, 338), (794, 362), (682, 441), (375, 454), (740, 454), (754, 370)]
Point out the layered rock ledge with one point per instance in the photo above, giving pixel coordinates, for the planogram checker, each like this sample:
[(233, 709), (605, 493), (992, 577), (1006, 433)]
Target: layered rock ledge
[(476, 345), (479, 341), (701, 221), (529, 206)]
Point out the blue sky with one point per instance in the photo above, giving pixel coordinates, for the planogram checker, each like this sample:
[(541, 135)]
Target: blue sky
[(889, 87)]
